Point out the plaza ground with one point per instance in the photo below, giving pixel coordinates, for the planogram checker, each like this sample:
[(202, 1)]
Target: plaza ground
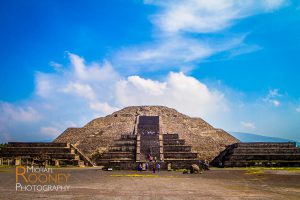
[(93, 183)]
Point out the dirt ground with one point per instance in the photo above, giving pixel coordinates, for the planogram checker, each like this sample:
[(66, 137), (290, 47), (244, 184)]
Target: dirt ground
[(93, 183)]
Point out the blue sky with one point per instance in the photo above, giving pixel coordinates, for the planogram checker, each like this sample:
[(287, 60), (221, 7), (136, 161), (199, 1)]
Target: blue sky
[(233, 63)]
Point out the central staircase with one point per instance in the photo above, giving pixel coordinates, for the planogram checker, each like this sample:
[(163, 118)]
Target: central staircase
[(146, 139)]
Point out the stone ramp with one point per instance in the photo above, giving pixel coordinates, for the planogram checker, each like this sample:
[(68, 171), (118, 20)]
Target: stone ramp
[(259, 154)]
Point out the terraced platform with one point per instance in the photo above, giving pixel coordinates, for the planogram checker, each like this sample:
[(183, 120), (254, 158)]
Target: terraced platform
[(42, 153), (259, 154)]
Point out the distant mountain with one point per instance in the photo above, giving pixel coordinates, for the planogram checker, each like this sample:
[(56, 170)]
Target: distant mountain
[(250, 137)]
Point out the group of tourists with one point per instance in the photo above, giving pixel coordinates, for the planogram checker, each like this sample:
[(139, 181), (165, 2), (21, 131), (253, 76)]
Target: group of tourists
[(153, 162)]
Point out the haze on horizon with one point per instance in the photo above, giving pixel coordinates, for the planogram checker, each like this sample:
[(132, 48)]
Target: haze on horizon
[(234, 63)]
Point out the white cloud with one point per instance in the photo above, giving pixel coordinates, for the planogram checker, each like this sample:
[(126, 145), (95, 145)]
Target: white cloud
[(87, 92), (248, 125), (185, 50), (89, 83), (103, 107), (93, 72), (148, 86), (274, 93), (56, 66), (68, 95), (50, 131), (202, 16), (44, 84), (244, 49), (16, 118), (76, 93), (18, 113), (81, 90), (179, 91), (276, 103), (272, 97), (274, 4), (174, 50), (179, 23)]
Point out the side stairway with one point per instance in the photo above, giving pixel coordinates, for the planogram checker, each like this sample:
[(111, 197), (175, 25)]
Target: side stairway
[(259, 154)]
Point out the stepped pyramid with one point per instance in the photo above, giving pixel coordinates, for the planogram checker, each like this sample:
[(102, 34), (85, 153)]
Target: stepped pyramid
[(130, 134)]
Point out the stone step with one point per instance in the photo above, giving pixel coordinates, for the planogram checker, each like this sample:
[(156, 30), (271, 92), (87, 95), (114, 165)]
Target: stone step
[(177, 148), (124, 142), (128, 137), (120, 165), (179, 155), (170, 136), (36, 144), (174, 142), (122, 148), (116, 160), (265, 157), (36, 150), (122, 160), (51, 155), (266, 145), (118, 155), (179, 159), (265, 150)]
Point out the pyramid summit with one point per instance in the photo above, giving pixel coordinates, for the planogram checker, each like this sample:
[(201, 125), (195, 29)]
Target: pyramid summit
[(180, 136)]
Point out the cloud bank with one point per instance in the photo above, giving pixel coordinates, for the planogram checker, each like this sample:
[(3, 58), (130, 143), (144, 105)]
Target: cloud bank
[(68, 98), (80, 92)]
